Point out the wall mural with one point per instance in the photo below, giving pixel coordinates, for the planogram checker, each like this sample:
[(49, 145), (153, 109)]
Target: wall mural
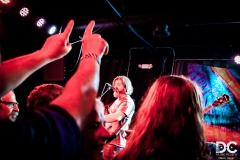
[(221, 123)]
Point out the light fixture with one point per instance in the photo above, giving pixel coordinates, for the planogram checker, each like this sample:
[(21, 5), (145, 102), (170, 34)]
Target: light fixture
[(41, 22), (161, 31), (52, 29), (236, 58), (5, 1), (24, 12)]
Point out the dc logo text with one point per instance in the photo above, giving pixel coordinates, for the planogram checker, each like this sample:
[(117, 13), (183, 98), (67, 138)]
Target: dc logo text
[(222, 147)]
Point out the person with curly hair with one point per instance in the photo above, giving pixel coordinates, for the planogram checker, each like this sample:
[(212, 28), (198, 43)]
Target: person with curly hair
[(43, 94)]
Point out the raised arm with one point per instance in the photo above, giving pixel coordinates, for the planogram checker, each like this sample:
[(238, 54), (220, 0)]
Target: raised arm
[(14, 71), (79, 94)]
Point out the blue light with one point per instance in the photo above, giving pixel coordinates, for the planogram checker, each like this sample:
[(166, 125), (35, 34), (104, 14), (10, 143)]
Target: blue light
[(52, 30)]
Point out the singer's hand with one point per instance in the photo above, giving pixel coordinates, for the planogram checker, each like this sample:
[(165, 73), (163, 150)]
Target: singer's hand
[(93, 43)]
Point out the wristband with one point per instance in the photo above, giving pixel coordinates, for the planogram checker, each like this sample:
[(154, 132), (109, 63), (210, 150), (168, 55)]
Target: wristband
[(92, 55)]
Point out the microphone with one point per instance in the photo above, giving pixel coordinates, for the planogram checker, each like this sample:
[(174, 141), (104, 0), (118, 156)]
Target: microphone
[(109, 86)]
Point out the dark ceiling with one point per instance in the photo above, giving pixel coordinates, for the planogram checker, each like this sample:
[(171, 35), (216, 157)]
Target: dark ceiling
[(193, 26)]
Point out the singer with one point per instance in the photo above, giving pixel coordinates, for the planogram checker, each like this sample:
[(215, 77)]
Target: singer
[(119, 115)]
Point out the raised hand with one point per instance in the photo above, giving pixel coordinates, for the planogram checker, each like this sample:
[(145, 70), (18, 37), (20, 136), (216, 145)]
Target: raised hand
[(93, 43), (58, 45)]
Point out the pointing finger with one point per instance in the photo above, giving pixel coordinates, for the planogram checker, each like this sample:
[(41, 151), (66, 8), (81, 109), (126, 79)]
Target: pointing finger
[(67, 31), (106, 48), (89, 28)]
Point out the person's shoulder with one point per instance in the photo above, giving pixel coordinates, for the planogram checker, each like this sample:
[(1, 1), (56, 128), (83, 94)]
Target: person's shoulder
[(126, 98), (130, 99), (53, 110)]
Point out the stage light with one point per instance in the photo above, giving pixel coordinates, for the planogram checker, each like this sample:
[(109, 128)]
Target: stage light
[(5, 1), (52, 29), (236, 59), (24, 12), (41, 22), (161, 31)]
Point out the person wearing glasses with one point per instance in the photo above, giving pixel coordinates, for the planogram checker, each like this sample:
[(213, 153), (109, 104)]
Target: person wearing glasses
[(53, 132), (9, 106)]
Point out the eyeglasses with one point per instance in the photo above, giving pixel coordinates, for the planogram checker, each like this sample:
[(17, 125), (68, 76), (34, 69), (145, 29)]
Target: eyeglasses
[(10, 104)]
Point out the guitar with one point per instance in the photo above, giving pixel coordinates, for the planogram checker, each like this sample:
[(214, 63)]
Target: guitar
[(124, 123), (224, 98)]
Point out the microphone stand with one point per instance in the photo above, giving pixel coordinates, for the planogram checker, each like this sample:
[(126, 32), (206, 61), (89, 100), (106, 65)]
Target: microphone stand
[(103, 93)]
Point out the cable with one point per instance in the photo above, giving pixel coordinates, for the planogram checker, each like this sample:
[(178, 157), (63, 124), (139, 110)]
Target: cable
[(131, 28), (79, 55), (135, 32)]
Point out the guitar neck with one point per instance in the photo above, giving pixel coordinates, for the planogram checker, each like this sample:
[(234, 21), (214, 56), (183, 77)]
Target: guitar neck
[(206, 109), (221, 100)]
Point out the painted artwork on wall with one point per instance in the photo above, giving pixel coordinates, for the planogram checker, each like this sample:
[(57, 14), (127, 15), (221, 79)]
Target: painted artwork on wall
[(221, 98)]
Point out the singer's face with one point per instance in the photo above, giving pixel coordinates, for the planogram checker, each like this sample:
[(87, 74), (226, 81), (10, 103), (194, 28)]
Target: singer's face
[(119, 88)]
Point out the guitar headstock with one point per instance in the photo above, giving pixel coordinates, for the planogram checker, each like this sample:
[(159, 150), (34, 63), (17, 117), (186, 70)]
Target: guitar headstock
[(224, 98)]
